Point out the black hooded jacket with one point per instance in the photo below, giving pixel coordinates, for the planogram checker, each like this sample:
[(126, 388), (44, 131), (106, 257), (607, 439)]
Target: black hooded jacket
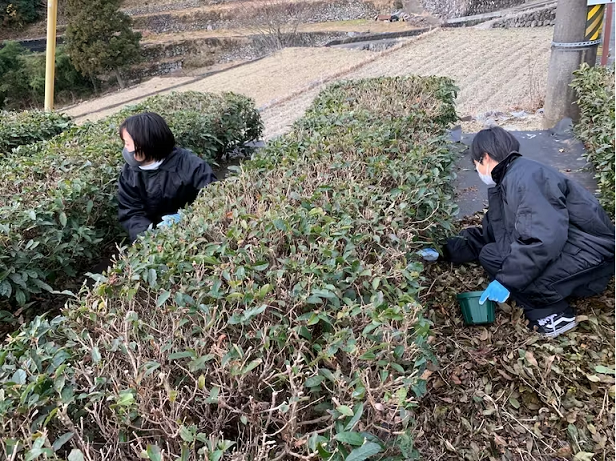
[(540, 219), (145, 196)]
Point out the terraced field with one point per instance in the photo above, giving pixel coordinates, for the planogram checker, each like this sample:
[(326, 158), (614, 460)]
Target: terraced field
[(496, 69)]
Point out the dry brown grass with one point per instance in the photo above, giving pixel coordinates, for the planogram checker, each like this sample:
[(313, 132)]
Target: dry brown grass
[(495, 69)]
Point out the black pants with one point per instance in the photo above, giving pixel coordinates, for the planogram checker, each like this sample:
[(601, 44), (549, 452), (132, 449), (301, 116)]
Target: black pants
[(546, 295)]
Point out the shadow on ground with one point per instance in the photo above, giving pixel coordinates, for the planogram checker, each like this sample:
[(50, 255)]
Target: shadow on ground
[(557, 147)]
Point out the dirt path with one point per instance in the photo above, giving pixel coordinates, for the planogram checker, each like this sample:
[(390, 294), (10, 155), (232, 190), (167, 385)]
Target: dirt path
[(496, 69)]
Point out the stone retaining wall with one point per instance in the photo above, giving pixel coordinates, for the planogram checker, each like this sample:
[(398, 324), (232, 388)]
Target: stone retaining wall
[(449, 9), (164, 58), (536, 18)]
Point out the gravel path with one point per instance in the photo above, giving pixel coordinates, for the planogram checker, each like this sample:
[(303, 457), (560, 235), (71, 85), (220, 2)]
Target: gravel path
[(496, 69)]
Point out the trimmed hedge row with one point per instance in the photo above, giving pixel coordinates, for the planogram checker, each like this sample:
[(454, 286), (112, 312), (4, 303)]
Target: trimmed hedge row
[(595, 89), (21, 128), (59, 196), (279, 319)]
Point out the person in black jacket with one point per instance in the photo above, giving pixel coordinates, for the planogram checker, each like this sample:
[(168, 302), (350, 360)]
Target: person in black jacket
[(543, 239), (159, 178)]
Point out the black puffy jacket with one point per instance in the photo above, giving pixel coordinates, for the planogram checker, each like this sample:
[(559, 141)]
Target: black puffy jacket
[(145, 196), (536, 215)]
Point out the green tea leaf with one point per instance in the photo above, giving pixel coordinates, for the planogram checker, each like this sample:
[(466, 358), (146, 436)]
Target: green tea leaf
[(181, 355), (200, 362), (96, 355), (60, 441), (154, 453), (364, 452), (314, 381), (344, 410), (604, 370), (352, 438), (19, 377), (358, 410), (162, 298), (75, 455)]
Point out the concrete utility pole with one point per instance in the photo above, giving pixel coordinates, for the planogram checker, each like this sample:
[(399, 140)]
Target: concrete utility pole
[(570, 48), (50, 57)]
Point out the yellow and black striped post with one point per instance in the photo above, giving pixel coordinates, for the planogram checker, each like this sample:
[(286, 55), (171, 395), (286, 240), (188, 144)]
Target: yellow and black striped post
[(594, 22)]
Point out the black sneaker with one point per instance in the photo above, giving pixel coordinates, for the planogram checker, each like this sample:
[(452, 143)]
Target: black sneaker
[(555, 324)]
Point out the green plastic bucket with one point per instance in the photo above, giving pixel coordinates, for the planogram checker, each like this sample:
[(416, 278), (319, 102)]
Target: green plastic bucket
[(473, 312)]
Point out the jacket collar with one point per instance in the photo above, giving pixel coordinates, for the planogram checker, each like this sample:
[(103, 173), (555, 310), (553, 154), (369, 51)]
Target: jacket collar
[(499, 171), (167, 162), (170, 160)]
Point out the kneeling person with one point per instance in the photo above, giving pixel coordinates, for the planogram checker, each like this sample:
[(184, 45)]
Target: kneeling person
[(159, 178), (544, 237)]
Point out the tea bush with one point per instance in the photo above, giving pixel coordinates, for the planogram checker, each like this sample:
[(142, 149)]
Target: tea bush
[(20, 128), (58, 196), (278, 320), (595, 89)]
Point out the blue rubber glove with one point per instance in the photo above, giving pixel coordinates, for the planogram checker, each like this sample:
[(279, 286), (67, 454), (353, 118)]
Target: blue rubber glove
[(169, 220), (495, 292), (428, 254)]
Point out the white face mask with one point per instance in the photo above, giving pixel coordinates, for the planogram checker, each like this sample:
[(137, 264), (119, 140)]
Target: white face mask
[(487, 179)]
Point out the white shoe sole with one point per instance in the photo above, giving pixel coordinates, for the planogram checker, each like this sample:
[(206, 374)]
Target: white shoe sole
[(565, 328)]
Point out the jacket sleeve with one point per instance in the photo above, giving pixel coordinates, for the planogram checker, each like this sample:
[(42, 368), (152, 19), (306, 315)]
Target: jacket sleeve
[(542, 229), (131, 209), (202, 175)]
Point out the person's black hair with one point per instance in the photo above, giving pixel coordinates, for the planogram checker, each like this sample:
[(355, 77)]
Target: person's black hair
[(153, 137), (495, 141)]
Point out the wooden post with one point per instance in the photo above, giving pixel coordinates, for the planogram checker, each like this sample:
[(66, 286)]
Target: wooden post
[(50, 57)]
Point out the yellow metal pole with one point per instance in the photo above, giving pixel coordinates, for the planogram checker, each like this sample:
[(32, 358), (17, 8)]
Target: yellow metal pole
[(52, 15)]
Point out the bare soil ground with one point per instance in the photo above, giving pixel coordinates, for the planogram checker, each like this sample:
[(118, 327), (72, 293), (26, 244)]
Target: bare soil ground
[(267, 80), (495, 69)]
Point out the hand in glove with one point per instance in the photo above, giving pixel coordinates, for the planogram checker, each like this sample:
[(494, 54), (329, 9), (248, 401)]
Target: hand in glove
[(428, 254), (495, 292), (169, 220)]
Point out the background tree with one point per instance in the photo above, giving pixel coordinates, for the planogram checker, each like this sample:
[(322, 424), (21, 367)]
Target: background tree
[(100, 38), (274, 21), (16, 13), (22, 78)]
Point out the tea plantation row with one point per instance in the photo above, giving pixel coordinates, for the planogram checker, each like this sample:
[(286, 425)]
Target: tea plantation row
[(595, 89), (59, 210), (27, 127), (278, 320)]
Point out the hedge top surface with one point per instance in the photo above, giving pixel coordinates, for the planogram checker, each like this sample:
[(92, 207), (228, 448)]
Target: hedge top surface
[(27, 127), (279, 317)]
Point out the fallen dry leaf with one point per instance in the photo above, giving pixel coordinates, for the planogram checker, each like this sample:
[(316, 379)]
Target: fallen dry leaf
[(564, 452), (426, 374), (530, 358)]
